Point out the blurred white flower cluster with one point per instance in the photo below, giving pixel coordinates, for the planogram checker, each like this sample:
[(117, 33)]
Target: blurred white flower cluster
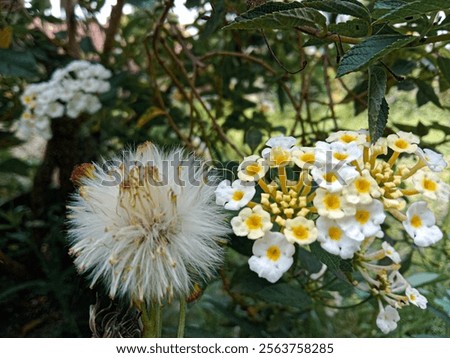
[(71, 91), (339, 194)]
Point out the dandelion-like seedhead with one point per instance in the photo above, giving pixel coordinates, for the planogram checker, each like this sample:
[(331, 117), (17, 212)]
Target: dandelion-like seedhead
[(146, 241), (71, 91), (339, 193)]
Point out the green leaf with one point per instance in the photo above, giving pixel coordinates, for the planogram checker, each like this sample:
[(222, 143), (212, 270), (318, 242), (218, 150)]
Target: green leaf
[(14, 165), (370, 50), (354, 28), (347, 7), (253, 138), (335, 264), (17, 63), (307, 260), (269, 16), (377, 112), (285, 295), (426, 93), (422, 278), (412, 10), (444, 66), (245, 281)]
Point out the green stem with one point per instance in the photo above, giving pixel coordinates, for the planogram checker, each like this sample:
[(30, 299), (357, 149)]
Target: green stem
[(182, 319), (151, 321)]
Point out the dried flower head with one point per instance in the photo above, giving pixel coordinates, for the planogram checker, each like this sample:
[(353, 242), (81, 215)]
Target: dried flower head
[(148, 229)]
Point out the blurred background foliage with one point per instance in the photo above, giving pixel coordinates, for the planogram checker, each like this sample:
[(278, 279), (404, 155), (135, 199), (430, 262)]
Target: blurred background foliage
[(220, 93)]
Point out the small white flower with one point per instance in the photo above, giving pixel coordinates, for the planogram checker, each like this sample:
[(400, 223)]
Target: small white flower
[(26, 128), (280, 152), (387, 319), (390, 252), (362, 190), (334, 240), (147, 242), (55, 110), (272, 256), (304, 156), (347, 137), (420, 225), (431, 186), (92, 104), (366, 222), (337, 152), (434, 161), (236, 195), (333, 178), (416, 298), (300, 230), (252, 168), (403, 142), (253, 223), (332, 205)]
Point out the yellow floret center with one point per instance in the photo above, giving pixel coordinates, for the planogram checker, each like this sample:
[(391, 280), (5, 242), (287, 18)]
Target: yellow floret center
[(401, 143), (330, 177), (412, 297), (348, 138), (254, 222), (308, 157), (416, 221), (252, 169), (362, 185), (300, 232), (340, 156), (335, 233), (429, 184), (280, 156), (332, 202), (238, 195), (362, 216), (273, 253)]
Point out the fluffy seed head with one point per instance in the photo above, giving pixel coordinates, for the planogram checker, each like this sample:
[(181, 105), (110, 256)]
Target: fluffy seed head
[(150, 228)]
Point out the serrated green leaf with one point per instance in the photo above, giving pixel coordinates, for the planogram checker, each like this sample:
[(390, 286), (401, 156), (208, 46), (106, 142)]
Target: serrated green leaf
[(17, 63), (376, 110), (412, 10), (354, 28), (335, 264), (444, 66), (285, 295), (370, 50), (426, 93), (347, 7), (263, 17)]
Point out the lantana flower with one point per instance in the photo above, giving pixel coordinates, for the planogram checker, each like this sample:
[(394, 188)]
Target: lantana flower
[(236, 195), (390, 252), (431, 186), (362, 190), (300, 230), (272, 256), (416, 298), (387, 319), (279, 153), (337, 152), (435, 161), (253, 223), (334, 178), (332, 205), (347, 137), (420, 225), (403, 142), (334, 240), (366, 222), (252, 168)]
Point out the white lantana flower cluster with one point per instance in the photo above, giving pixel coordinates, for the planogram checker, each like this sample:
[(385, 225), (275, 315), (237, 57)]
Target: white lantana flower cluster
[(338, 193), (71, 91)]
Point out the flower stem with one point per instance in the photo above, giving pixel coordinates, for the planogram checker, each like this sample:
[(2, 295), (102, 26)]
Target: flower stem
[(182, 319), (393, 158), (283, 179), (413, 170), (264, 186), (151, 320)]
